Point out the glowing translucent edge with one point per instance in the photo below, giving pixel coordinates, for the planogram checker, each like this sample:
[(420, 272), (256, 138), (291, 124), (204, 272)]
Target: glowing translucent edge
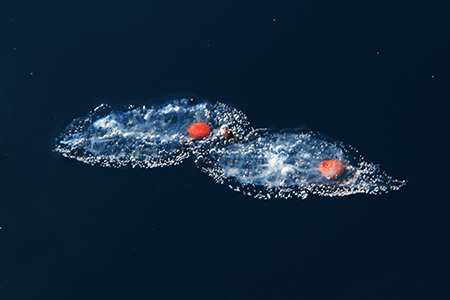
[(285, 165), (144, 137)]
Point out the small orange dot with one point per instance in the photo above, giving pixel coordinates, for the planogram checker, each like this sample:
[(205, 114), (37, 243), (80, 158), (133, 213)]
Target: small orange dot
[(199, 130), (331, 169)]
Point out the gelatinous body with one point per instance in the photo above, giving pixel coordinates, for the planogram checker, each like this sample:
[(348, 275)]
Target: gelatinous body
[(146, 137), (288, 164), (260, 163)]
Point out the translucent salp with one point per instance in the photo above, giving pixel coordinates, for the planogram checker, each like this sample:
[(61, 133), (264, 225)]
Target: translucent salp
[(259, 163), (283, 165), (144, 137)]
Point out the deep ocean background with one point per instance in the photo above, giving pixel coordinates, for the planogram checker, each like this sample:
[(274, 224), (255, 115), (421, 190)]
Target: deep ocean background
[(375, 75)]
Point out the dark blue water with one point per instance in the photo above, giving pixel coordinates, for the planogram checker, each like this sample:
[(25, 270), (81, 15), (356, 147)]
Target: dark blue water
[(375, 75)]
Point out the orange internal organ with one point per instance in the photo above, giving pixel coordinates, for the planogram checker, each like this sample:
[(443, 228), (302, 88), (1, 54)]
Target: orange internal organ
[(331, 169), (199, 130)]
